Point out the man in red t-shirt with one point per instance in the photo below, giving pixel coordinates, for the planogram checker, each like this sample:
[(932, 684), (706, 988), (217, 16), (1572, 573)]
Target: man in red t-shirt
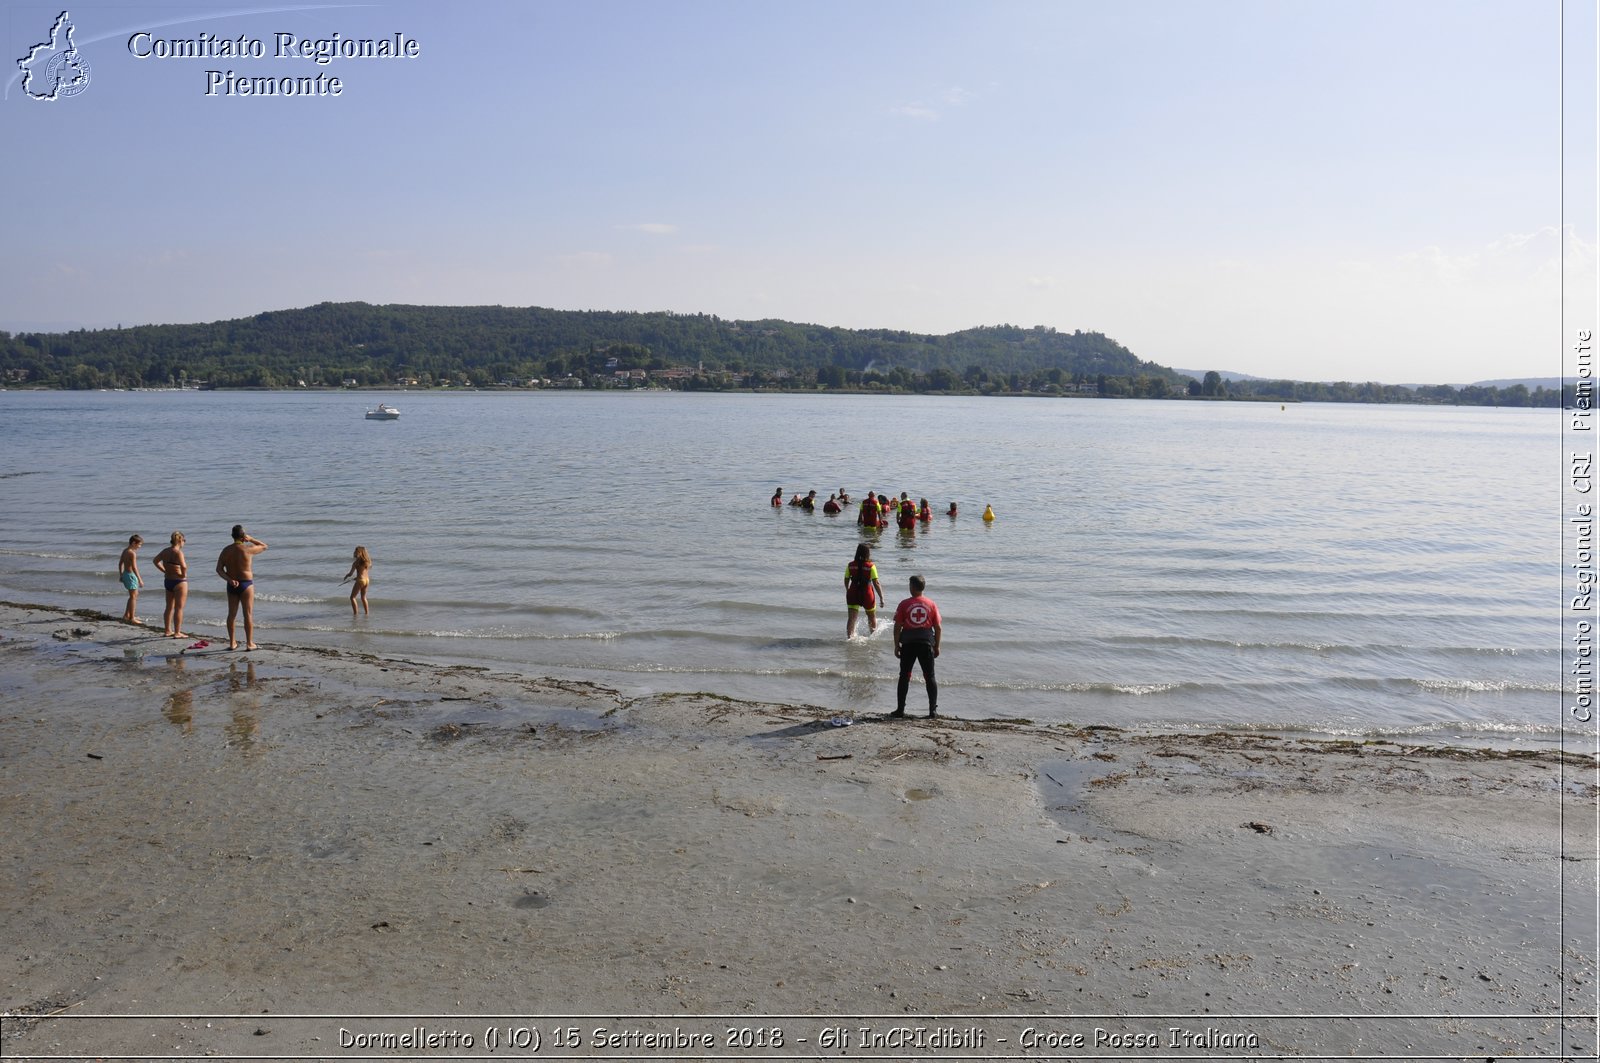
[(917, 634)]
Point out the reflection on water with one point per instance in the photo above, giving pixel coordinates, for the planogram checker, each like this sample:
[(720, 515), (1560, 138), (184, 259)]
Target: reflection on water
[(238, 686), (244, 726), (239, 683), (179, 709), (859, 684)]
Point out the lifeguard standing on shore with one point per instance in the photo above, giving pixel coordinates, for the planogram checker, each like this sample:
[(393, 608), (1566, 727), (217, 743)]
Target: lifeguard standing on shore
[(918, 634)]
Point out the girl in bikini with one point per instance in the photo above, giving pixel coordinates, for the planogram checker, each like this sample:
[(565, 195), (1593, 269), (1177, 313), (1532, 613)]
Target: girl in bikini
[(175, 570), (361, 572)]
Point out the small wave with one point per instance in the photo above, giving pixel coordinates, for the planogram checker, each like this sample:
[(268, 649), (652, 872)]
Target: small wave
[(798, 643), (1482, 727), (49, 555), (484, 606), (452, 633), (762, 673), (756, 608), (1456, 730), (1134, 689), (1186, 642), (292, 599), (1400, 684), (1319, 647), (510, 636), (1145, 689), (1482, 686)]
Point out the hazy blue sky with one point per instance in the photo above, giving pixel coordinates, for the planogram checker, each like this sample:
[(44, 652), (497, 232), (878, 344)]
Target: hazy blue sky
[(1318, 190)]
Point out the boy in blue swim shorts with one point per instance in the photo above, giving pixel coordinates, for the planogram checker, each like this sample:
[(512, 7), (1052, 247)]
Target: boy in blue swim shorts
[(128, 573)]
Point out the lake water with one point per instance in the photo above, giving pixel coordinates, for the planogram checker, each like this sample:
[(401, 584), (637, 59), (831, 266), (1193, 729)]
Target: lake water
[(1327, 569)]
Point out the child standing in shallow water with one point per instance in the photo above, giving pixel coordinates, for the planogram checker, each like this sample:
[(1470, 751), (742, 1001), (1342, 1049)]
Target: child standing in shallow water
[(361, 572), (128, 574)]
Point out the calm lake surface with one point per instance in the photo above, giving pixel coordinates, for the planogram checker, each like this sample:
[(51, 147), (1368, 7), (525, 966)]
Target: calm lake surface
[(1326, 569)]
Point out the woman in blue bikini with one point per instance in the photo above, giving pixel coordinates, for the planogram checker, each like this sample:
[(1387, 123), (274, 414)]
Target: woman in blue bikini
[(172, 565)]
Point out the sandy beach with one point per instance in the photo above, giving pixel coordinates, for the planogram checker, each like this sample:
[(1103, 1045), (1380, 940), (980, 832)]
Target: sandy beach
[(302, 853)]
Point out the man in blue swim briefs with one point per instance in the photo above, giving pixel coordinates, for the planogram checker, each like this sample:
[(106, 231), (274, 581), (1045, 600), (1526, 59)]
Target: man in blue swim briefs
[(233, 565)]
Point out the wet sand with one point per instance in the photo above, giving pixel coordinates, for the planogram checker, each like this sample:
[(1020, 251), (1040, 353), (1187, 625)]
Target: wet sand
[(231, 840)]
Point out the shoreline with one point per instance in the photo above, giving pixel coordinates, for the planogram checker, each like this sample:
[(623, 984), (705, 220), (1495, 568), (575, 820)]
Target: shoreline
[(1477, 736), (308, 831), (885, 392)]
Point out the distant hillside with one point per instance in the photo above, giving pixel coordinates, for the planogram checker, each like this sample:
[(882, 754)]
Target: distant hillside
[(334, 342), (358, 344), (1227, 374), (1530, 382)]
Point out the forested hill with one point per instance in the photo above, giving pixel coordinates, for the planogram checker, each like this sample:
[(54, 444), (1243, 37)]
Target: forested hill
[(359, 344), (335, 342)]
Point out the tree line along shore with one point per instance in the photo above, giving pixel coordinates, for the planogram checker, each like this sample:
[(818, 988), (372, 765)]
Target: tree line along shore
[(363, 345)]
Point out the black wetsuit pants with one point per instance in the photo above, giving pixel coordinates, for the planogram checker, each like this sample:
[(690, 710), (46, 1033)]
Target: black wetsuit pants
[(917, 651)]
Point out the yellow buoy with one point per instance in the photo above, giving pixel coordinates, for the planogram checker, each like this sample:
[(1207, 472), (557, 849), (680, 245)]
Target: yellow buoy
[(988, 514)]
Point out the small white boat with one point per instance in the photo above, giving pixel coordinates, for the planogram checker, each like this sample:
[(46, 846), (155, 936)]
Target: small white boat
[(384, 412)]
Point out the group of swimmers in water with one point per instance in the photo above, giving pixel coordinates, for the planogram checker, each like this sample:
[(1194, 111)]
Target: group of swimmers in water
[(875, 510), (234, 567)]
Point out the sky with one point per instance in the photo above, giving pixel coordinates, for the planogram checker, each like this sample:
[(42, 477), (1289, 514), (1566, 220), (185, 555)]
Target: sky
[(1398, 190)]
